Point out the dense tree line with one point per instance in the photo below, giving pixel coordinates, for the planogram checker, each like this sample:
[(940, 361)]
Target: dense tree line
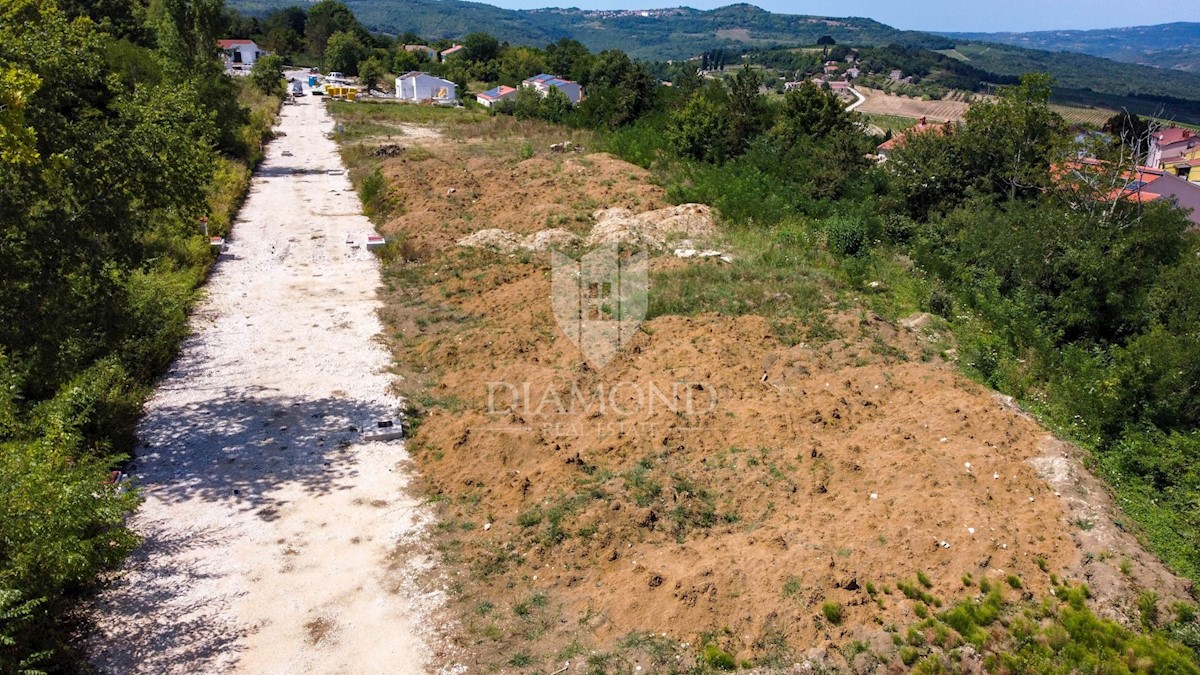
[(118, 129)]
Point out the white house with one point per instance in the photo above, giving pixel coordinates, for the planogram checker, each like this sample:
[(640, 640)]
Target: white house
[(419, 87), (240, 52), (544, 82), (493, 96)]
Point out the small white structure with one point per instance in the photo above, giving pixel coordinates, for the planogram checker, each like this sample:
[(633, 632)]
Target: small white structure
[(240, 52), (545, 82), (491, 97), (419, 87)]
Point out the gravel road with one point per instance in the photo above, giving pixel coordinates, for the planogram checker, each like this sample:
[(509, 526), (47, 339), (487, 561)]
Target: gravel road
[(271, 527)]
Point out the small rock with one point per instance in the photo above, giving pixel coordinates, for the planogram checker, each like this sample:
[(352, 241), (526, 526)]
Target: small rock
[(916, 322)]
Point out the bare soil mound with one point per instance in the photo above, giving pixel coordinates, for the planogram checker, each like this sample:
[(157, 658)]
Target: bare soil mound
[(653, 229), (713, 480), (465, 188)]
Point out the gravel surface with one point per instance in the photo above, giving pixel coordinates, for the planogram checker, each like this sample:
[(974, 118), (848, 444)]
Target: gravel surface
[(271, 528)]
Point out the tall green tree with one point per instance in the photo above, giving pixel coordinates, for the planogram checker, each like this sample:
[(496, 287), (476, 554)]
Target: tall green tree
[(371, 72), (700, 130), (343, 53), (746, 109), (1014, 139), (809, 112), (568, 58), (480, 47), (325, 18), (619, 90), (267, 75)]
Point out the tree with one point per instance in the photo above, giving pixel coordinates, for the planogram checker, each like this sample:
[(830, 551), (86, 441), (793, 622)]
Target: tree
[(480, 47), (810, 112), (105, 164), (282, 41), (700, 130), (555, 106), (518, 63), (618, 90), (746, 110), (826, 40), (342, 53), (568, 58), (405, 61), (1131, 131), (1011, 141), (267, 75), (291, 18), (371, 72), (325, 18)]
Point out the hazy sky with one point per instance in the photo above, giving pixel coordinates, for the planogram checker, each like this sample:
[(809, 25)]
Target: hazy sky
[(939, 15)]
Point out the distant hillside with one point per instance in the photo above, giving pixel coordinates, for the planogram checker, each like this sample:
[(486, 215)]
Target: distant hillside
[(1170, 45), (662, 34), (1080, 71), (684, 32)]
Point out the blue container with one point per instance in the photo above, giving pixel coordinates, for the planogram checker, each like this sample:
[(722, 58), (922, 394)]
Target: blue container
[(312, 80)]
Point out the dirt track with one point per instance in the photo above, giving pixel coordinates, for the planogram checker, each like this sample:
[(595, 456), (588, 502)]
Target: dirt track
[(270, 526)]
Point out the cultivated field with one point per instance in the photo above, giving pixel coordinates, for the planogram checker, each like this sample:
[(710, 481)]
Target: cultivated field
[(881, 103), (886, 106)]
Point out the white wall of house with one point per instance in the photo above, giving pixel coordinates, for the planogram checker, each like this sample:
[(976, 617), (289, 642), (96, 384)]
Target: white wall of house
[(572, 89), (243, 54), (425, 87)]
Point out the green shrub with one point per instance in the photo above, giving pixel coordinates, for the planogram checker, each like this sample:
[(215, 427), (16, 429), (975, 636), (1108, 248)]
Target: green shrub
[(832, 612), (1147, 604), (847, 236), (715, 657), (941, 303)]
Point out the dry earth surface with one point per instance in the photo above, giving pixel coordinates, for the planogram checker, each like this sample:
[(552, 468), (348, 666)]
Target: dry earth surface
[(714, 482), (270, 526), (881, 103)]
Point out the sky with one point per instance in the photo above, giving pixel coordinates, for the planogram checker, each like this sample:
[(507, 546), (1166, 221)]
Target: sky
[(938, 15)]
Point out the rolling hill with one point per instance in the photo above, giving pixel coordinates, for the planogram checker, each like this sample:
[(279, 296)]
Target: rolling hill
[(683, 32), (1171, 45)]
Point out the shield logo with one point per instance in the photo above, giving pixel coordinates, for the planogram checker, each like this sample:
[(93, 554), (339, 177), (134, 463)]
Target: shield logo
[(599, 300)]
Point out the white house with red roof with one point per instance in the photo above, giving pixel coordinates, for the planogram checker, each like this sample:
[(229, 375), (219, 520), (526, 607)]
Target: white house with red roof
[(1171, 144), (493, 96), (240, 52)]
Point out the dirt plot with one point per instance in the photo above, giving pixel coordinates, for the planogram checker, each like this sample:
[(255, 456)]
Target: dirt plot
[(881, 103), (714, 482)]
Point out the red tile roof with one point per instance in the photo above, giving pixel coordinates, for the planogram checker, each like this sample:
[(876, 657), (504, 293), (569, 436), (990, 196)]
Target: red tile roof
[(226, 44), (1172, 135), (921, 127)]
